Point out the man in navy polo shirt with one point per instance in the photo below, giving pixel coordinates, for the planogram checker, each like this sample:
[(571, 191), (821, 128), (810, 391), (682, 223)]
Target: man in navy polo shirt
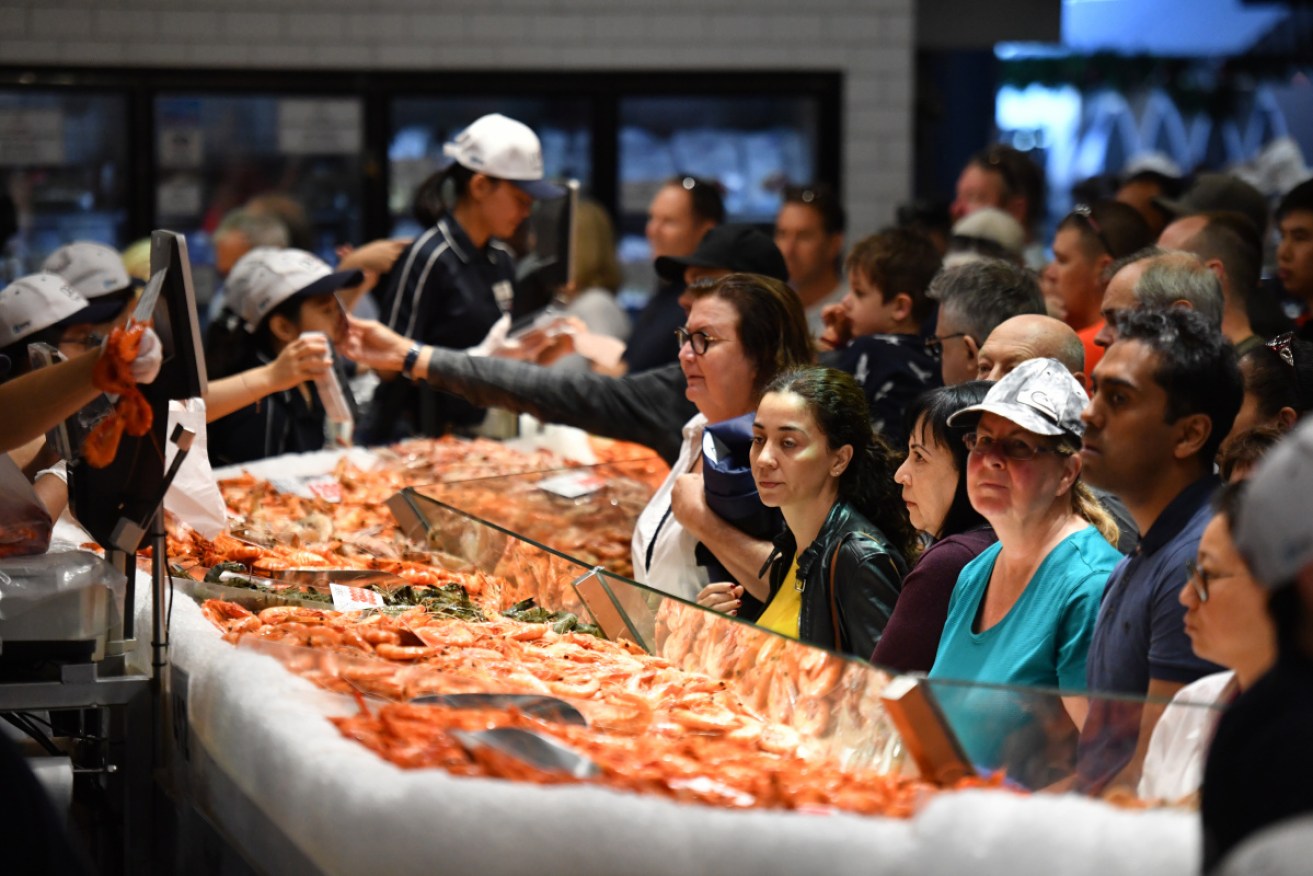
[(1165, 394)]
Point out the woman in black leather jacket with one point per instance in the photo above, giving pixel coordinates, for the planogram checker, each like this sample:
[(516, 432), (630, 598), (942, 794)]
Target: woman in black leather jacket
[(815, 457)]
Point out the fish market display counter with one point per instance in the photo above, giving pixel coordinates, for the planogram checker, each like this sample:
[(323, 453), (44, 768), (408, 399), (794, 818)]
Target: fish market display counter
[(262, 756)]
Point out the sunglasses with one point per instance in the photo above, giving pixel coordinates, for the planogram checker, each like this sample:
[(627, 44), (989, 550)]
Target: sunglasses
[(1083, 212), (1016, 449)]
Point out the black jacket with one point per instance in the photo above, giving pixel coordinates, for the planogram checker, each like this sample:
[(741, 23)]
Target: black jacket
[(648, 408), (867, 580)]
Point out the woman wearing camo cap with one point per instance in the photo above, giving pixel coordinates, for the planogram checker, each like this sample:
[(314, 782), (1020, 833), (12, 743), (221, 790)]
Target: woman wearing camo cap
[(1023, 611)]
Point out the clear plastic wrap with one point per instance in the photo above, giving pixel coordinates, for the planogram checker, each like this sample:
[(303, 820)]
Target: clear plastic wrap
[(59, 597)]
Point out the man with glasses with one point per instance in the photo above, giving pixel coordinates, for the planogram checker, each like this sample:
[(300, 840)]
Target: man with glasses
[(1090, 239), (974, 298), (1165, 395)]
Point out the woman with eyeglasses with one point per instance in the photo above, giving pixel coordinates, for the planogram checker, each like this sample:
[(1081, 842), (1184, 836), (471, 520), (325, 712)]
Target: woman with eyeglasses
[(1087, 242), (933, 480), (836, 570), (742, 331), (1227, 620), (1023, 611)]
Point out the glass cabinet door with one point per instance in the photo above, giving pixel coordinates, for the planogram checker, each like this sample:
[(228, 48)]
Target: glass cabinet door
[(753, 145), (64, 160), (214, 152)]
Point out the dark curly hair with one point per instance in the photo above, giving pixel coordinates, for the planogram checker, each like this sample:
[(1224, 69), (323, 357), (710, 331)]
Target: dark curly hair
[(1196, 367), (838, 405)]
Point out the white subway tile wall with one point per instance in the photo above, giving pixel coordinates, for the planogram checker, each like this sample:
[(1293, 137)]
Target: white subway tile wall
[(869, 41)]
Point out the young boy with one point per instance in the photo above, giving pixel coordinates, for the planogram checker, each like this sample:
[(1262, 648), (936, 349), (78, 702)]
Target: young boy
[(876, 330), (1295, 251)]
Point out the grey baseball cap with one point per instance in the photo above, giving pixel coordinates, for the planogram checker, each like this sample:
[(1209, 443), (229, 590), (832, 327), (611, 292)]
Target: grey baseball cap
[(1039, 395), (1219, 191), (1272, 529)]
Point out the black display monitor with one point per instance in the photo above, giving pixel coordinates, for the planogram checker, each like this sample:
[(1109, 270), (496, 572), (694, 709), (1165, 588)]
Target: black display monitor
[(549, 264), (131, 487)]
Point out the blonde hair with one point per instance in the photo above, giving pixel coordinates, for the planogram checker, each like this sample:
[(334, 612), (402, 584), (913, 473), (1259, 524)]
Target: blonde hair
[(1087, 506), (595, 262)]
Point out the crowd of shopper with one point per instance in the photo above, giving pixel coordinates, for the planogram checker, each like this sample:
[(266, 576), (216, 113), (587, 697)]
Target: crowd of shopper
[(1065, 422)]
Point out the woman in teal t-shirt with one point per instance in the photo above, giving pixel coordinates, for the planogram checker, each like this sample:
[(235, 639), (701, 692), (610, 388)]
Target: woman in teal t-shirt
[(1023, 612)]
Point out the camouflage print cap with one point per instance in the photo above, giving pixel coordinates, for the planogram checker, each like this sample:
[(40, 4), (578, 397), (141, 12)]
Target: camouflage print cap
[(1039, 395)]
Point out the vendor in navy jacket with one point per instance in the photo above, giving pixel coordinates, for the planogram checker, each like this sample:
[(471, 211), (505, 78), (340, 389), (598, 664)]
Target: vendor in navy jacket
[(283, 312), (454, 281)]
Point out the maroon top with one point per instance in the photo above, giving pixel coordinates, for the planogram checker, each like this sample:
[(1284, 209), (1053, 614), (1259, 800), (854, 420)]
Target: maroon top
[(911, 637)]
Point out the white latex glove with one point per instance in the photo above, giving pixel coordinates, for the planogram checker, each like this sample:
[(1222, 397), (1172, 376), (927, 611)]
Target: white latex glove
[(150, 354), (494, 340)]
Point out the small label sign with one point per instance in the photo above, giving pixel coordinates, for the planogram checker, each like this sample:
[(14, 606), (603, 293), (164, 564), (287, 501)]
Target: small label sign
[(573, 485), (351, 598)]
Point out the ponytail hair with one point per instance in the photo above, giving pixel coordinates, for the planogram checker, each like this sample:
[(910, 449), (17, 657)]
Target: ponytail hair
[(838, 405), (439, 193), (1086, 505)]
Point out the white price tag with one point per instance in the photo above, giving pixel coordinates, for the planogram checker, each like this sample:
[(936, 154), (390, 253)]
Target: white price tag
[(572, 485), (351, 598)]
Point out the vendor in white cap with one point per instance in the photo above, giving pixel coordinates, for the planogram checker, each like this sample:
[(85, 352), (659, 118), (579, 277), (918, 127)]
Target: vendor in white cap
[(277, 296), (40, 308), (1260, 763), (97, 272), (454, 282), (1023, 611)]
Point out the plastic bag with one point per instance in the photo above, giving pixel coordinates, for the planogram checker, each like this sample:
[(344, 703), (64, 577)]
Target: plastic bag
[(25, 524), (194, 495)]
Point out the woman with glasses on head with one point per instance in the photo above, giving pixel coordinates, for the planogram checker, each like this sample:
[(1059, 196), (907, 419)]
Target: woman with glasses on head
[(933, 480), (742, 331), (1023, 611), (1087, 242), (1227, 620), (1278, 384)]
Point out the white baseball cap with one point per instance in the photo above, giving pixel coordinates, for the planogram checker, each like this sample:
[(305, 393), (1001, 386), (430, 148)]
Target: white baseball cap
[(506, 149), (36, 302), (95, 271), (267, 276), (1272, 527)]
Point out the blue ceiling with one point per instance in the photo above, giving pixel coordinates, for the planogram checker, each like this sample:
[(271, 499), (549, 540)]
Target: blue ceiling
[(1167, 27)]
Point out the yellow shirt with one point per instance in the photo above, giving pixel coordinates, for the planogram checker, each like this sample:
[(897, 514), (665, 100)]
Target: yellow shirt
[(781, 616)]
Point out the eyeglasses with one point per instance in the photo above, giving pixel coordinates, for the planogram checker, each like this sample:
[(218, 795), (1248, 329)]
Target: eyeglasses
[(700, 341), (1282, 345), (1084, 212), (1016, 449), (1200, 581), (934, 345)]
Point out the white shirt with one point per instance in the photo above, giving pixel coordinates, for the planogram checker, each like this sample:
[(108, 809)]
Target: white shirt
[(1174, 764), (674, 569)]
